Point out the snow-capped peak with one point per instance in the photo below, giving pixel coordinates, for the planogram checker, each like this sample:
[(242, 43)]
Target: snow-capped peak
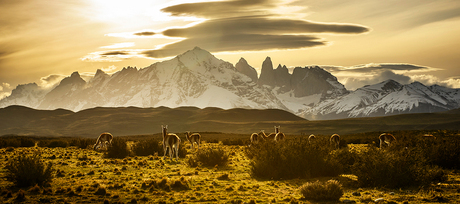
[(387, 85)]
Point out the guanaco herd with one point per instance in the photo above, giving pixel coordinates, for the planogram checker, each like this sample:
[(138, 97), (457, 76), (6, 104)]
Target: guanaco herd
[(171, 141)]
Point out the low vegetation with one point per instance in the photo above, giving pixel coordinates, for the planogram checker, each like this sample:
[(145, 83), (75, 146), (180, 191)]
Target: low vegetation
[(227, 170), (295, 158), (322, 191), (209, 156), (28, 170)]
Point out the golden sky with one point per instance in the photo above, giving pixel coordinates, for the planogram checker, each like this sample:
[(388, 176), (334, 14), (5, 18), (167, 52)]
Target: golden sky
[(359, 41)]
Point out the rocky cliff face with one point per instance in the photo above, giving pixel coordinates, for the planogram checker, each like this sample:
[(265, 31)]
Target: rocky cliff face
[(302, 82), (243, 67), (282, 79), (267, 74)]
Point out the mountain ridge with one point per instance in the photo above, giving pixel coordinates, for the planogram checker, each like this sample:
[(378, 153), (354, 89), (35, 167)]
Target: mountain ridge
[(198, 78)]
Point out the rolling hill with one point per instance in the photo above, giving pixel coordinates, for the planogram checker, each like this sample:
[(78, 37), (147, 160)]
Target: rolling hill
[(20, 120)]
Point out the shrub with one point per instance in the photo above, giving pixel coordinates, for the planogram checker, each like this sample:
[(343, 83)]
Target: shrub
[(118, 149), (147, 147), (209, 156), (53, 143), (27, 142), (17, 141), (442, 151), (322, 191), (394, 169), (292, 159), (239, 142), (345, 158), (82, 143), (25, 170)]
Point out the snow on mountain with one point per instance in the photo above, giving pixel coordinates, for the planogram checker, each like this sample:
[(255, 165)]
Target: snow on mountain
[(194, 78), (385, 98), (197, 78), (452, 95), (25, 95)]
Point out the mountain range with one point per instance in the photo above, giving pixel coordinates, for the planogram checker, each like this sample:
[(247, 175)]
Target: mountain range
[(197, 78)]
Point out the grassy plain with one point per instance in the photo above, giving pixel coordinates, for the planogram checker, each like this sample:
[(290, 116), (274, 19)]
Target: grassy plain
[(85, 176)]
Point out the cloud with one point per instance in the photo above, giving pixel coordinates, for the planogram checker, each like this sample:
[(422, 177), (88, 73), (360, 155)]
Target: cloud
[(115, 53), (219, 9), (235, 25), (436, 15), (452, 82), (145, 33), (5, 86), (262, 25), (251, 33), (5, 90), (109, 69), (237, 42), (119, 45), (4, 94), (352, 83), (51, 80), (358, 76)]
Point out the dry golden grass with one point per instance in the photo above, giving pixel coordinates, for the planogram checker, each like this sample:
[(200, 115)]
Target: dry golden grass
[(84, 176)]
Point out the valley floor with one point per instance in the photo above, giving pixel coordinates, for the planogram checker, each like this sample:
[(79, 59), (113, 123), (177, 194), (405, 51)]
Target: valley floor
[(84, 176)]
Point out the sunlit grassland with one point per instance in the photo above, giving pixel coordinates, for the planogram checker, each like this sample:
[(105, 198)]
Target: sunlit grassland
[(85, 176)]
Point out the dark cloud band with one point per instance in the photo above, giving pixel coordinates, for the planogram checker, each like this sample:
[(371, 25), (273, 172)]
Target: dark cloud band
[(218, 9), (263, 24), (145, 33), (243, 42), (115, 53)]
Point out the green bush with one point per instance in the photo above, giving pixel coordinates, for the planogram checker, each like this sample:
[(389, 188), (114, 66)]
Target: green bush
[(322, 191), (293, 159), (394, 169), (118, 149), (209, 156), (28, 170)]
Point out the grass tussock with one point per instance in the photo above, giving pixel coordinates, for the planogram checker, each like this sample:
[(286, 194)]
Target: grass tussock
[(167, 185), (209, 156), (28, 170), (322, 191)]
